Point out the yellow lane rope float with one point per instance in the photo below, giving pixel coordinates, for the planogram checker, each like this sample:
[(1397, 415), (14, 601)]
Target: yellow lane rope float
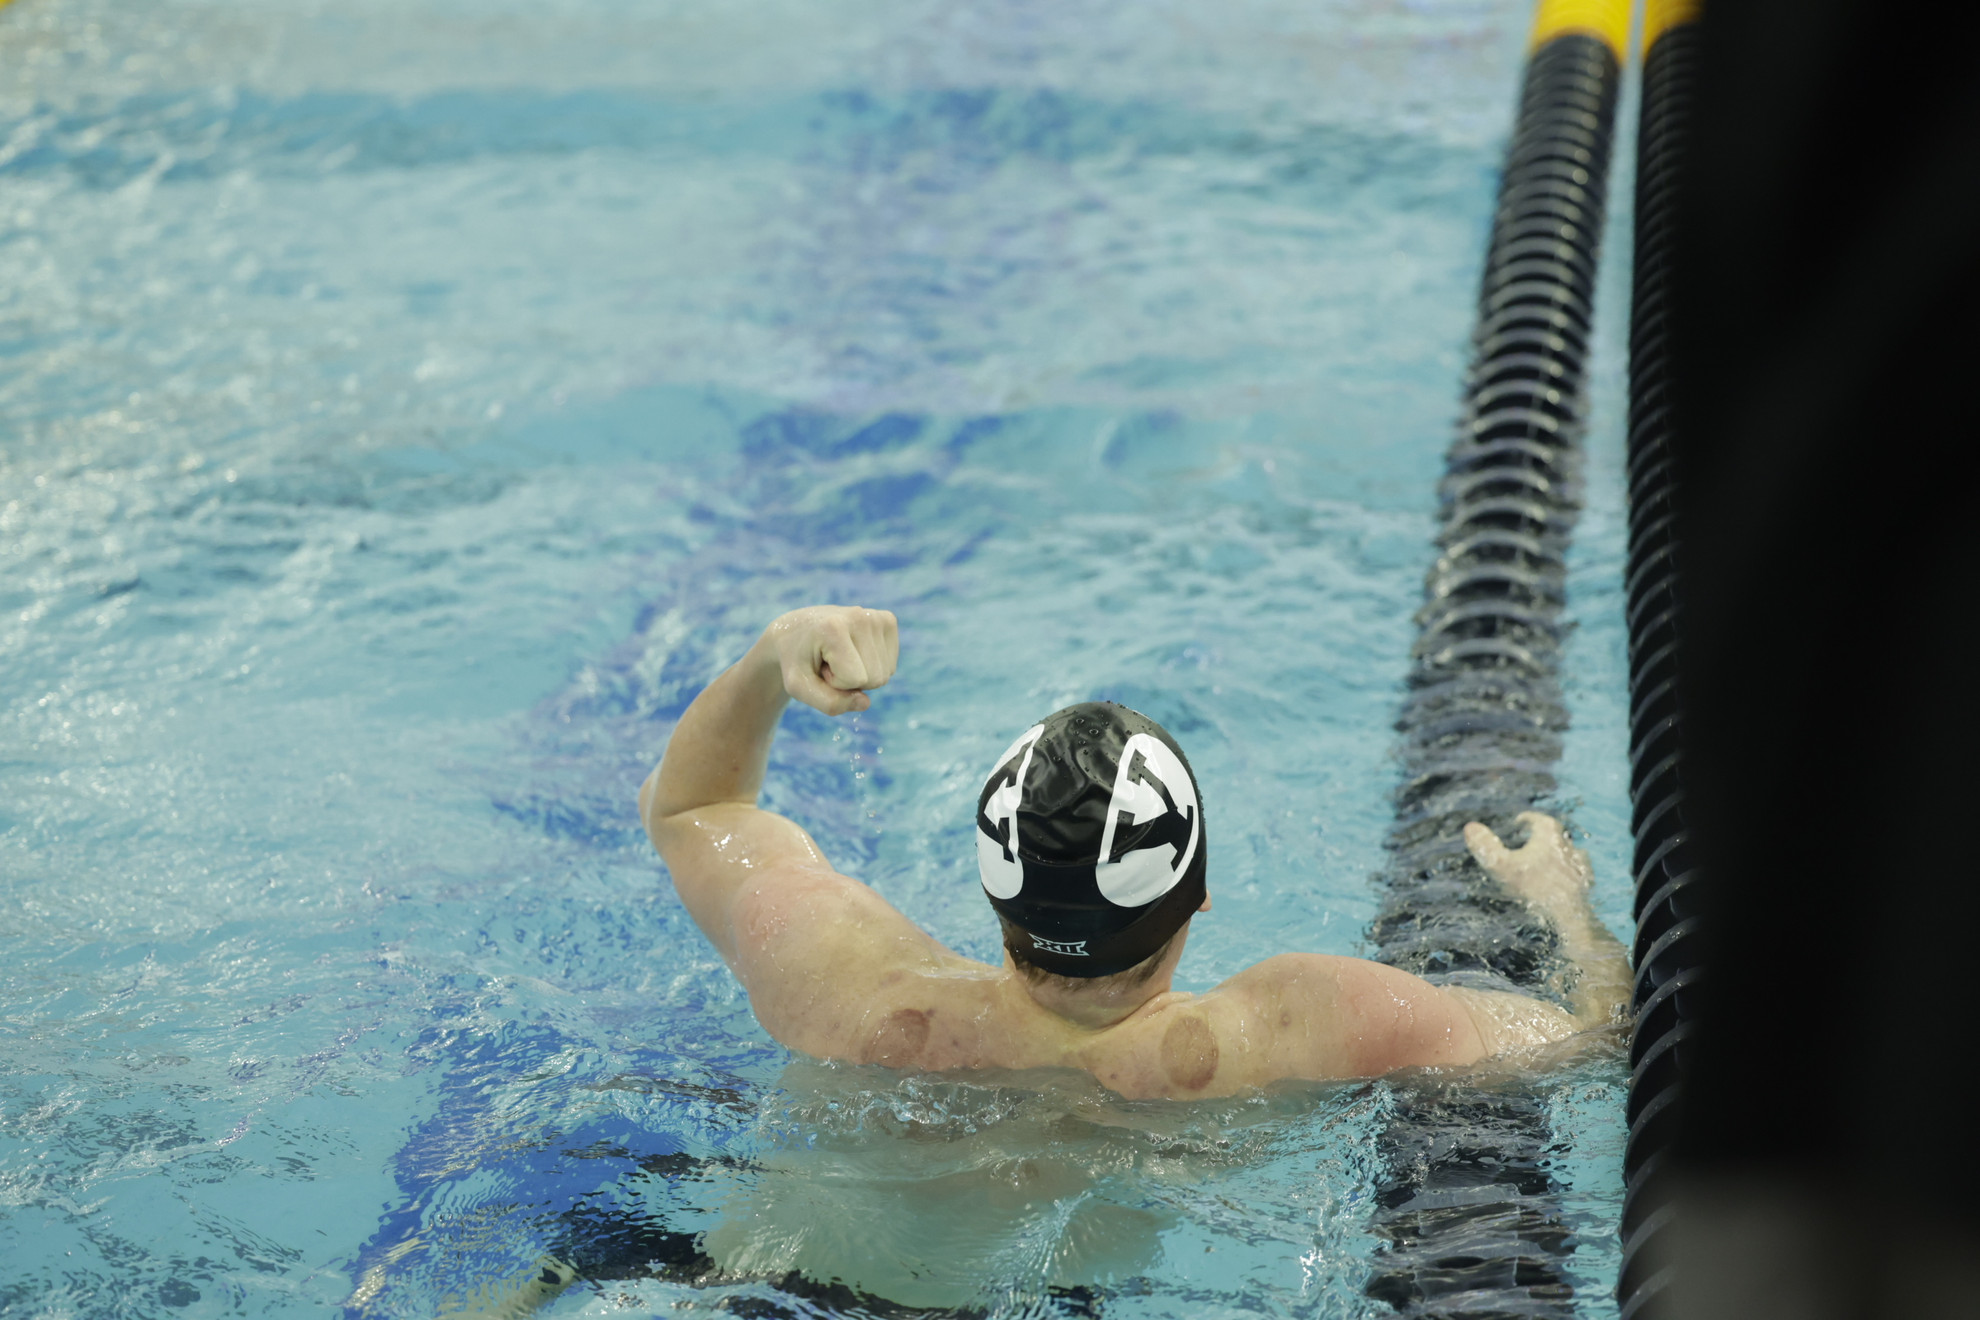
[(1660, 16), (1605, 20)]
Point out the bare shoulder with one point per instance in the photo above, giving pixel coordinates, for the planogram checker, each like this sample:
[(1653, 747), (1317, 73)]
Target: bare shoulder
[(835, 970), (830, 966), (1308, 1016), (1187, 1047)]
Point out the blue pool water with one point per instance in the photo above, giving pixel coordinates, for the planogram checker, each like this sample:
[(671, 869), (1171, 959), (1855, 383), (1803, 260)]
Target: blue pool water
[(405, 407)]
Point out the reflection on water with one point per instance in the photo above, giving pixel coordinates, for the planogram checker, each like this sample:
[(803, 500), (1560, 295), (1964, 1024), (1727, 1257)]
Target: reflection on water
[(934, 1191), (857, 1187)]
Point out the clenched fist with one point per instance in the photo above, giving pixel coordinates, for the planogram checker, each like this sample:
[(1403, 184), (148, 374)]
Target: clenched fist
[(831, 656)]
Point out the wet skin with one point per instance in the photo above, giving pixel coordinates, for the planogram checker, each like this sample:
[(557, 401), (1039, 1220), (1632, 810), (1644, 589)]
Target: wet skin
[(833, 970)]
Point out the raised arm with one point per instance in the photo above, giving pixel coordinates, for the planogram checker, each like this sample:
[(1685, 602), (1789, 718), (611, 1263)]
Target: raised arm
[(827, 656), (699, 804)]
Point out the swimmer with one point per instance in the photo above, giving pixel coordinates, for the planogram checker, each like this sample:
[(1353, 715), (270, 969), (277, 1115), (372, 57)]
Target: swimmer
[(1092, 851)]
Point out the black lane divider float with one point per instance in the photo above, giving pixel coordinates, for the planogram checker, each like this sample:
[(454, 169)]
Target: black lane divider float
[(1668, 968), (1468, 1216)]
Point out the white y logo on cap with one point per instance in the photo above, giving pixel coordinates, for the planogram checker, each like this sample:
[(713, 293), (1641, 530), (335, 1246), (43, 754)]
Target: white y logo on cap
[(1143, 875), (997, 859)]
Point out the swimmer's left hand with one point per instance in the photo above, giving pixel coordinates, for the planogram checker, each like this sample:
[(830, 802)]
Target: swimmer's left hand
[(1547, 871), (1554, 876), (831, 656)]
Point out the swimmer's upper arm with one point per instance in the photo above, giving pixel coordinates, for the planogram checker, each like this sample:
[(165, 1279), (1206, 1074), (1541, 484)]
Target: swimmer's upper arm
[(824, 959), (718, 852), (809, 945), (1329, 1017)]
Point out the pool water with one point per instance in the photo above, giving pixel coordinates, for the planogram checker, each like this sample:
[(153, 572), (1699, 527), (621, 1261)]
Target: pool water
[(406, 407)]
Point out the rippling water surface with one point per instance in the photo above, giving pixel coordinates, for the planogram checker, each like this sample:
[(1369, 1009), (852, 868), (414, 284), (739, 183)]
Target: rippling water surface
[(408, 406)]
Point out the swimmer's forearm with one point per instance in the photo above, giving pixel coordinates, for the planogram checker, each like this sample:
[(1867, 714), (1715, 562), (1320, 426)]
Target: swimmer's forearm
[(826, 656), (1604, 981), (1601, 966), (721, 747), (1555, 877)]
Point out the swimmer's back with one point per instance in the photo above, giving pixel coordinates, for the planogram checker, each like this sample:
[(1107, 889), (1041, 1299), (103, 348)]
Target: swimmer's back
[(836, 971)]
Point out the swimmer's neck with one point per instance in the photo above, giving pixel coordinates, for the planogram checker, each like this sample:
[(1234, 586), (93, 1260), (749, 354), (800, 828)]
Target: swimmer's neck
[(1095, 1007)]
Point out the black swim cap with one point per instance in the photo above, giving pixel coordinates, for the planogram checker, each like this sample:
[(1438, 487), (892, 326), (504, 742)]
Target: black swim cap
[(1089, 837)]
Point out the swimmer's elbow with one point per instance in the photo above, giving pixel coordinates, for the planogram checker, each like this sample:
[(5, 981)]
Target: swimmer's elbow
[(1506, 1022), (665, 819), (647, 789)]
